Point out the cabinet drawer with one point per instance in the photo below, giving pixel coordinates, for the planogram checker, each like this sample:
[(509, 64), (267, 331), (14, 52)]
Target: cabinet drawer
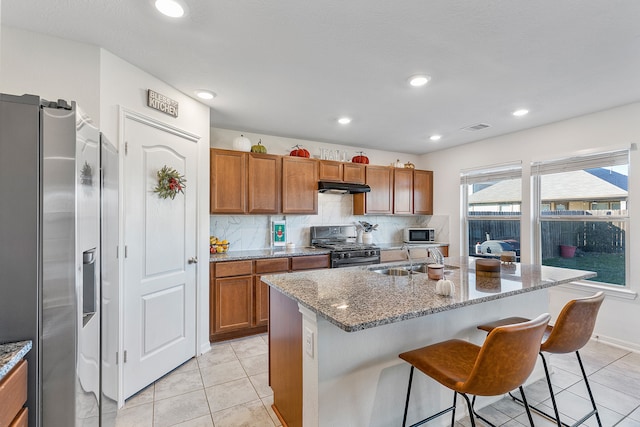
[(234, 268), (272, 265), (309, 262), (13, 393)]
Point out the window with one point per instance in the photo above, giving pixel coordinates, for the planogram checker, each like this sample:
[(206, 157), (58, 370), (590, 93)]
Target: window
[(492, 199), (581, 210)]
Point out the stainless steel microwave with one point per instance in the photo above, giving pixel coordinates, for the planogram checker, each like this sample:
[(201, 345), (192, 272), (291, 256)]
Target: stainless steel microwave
[(419, 235)]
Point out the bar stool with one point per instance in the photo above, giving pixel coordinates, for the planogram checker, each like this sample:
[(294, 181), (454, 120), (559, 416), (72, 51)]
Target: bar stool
[(571, 332), (503, 363)]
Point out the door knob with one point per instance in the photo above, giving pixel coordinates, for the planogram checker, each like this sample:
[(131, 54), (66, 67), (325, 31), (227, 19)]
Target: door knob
[(193, 260)]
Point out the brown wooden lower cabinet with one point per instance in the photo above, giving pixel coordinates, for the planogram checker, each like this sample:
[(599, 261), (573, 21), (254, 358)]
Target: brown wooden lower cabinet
[(285, 358), (239, 301), (13, 396)]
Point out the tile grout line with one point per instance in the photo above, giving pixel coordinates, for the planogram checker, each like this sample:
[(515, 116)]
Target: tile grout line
[(204, 389)]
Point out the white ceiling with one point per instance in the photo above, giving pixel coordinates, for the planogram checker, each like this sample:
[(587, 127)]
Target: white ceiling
[(291, 67)]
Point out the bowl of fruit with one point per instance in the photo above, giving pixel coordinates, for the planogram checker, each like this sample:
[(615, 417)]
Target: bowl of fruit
[(217, 246)]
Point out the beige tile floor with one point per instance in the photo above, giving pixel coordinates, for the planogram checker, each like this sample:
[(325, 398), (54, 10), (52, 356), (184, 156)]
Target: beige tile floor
[(227, 387)]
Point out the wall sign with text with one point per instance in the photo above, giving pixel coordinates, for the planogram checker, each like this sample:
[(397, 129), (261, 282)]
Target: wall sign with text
[(163, 103)]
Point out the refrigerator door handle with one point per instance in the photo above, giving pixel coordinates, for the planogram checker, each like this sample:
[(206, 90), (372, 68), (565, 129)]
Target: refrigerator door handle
[(193, 260)]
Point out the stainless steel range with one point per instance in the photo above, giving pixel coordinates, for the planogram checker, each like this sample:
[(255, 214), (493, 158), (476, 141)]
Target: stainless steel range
[(345, 252)]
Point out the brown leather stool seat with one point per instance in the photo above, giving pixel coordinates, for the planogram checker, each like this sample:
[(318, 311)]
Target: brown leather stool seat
[(503, 363), (571, 332)]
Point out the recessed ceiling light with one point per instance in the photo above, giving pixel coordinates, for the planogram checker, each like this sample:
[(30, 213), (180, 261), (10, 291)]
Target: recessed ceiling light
[(344, 120), (419, 80), (205, 94), (520, 113), (435, 137), (170, 8)]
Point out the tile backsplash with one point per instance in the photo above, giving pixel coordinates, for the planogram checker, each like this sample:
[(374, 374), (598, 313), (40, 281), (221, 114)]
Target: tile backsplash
[(247, 232)]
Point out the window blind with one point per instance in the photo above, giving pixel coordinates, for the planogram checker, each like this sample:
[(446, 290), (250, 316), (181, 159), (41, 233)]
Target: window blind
[(611, 158), (491, 173)]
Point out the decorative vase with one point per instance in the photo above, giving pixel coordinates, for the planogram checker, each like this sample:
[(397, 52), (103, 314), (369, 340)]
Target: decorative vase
[(367, 238)]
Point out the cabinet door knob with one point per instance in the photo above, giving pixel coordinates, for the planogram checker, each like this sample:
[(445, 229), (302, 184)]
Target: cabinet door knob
[(193, 260)]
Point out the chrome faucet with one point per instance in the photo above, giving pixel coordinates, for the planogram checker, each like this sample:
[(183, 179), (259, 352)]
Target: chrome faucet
[(407, 248), (436, 255)]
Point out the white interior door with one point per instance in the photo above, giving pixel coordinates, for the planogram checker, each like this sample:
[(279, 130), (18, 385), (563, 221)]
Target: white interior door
[(160, 239)]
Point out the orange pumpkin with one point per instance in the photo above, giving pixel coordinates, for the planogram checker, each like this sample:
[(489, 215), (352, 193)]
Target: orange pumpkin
[(298, 151), (360, 158)]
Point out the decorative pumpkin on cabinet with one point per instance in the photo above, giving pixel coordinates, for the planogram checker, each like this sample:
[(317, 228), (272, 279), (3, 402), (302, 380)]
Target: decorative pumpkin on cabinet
[(299, 151), (360, 158), (259, 148), (242, 143)]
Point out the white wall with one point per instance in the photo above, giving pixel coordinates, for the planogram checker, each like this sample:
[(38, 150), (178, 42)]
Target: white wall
[(51, 68), (246, 232), (123, 85), (101, 82), (618, 321)]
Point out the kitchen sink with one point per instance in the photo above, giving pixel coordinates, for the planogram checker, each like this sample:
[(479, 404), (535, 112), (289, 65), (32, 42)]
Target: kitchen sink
[(394, 271), (405, 270)]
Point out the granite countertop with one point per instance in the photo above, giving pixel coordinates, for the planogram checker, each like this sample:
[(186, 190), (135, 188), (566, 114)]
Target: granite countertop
[(358, 298), (267, 253), (10, 354)]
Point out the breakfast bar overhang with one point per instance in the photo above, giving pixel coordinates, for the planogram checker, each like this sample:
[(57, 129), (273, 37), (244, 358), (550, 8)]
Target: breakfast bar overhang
[(335, 336)]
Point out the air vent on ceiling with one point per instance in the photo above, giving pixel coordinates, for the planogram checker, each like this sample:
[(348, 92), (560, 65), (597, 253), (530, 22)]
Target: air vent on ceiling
[(477, 126)]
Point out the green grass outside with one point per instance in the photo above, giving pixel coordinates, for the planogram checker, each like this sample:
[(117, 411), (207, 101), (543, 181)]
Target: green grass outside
[(610, 267)]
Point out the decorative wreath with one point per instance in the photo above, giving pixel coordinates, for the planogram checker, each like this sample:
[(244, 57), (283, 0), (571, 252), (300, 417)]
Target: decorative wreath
[(170, 183)]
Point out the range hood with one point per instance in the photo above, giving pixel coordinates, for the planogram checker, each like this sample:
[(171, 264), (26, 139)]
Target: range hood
[(342, 187)]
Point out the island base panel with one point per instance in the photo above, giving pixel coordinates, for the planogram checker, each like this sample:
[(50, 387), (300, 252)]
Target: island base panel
[(285, 358)]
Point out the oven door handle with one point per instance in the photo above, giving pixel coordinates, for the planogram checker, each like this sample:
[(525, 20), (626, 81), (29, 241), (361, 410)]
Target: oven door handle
[(352, 262)]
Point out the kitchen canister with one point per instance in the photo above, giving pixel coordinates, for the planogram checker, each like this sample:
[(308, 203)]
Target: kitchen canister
[(367, 237), (435, 271)]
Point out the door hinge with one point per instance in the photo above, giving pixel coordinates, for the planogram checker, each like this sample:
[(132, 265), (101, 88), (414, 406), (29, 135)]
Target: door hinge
[(126, 148), (117, 358), (126, 251), (124, 358), (117, 252)]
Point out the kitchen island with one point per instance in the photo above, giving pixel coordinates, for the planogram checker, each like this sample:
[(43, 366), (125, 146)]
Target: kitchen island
[(335, 336)]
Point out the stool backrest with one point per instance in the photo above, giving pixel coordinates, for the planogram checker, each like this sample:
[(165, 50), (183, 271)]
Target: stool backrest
[(574, 326), (506, 358)]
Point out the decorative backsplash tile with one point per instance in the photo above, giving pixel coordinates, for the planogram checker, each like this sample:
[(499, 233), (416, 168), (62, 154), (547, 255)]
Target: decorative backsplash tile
[(247, 232)]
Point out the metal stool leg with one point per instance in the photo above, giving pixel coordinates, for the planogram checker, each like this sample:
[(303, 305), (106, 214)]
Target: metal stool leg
[(553, 395), (556, 419), (586, 382), (526, 407), (471, 411), (453, 415), (406, 405)]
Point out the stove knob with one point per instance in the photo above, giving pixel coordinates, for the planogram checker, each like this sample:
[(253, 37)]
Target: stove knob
[(347, 255), (367, 253), (341, 256)]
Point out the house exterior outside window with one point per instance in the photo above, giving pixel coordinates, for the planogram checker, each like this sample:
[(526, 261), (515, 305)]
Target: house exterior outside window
[(581, 214), (491, 200)]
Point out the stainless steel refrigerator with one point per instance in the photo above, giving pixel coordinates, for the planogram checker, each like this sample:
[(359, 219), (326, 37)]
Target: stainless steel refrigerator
[(50, 255)]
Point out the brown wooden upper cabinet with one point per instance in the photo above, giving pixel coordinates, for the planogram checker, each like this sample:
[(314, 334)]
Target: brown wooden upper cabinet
[(341, 172), (403, 191), (264, 183), (422, 192), (245, 182), (396, 191), (380, 199), (228, 181), (299, 185)]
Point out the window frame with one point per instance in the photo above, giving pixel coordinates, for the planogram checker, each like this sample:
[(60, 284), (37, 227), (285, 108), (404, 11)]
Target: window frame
[(504, 171), (575, 163)]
